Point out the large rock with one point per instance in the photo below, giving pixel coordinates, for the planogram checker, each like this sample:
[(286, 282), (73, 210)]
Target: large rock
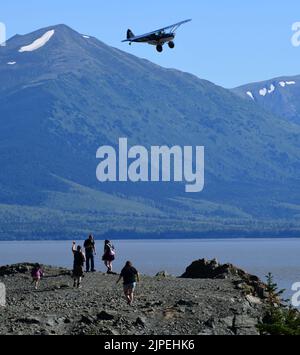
[(15, 269), (211, 269)]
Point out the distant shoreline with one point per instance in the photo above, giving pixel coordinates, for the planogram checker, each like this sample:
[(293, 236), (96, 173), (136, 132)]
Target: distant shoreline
[(163, 235)]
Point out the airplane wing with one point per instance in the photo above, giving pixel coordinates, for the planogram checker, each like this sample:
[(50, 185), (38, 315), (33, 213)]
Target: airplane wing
[(172, 28)]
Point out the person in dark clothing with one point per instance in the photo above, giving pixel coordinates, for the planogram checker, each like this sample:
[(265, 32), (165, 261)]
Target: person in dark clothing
[(78, 265), (109, 255), (90, 251), (130, 277)]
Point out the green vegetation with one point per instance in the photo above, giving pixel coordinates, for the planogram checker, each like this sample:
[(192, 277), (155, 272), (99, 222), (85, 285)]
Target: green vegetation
[(280, 319), (51, 222)]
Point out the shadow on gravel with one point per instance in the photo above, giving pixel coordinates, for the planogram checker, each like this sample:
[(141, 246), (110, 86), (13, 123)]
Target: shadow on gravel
[(67, 273)]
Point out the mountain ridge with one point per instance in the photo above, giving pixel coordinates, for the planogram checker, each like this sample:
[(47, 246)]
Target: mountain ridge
[(278, 95)]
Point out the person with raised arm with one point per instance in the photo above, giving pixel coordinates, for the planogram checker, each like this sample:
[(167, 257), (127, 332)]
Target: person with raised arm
[(78, 265)]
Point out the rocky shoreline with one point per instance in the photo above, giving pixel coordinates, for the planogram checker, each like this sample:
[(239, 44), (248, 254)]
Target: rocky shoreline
[(208, 299)]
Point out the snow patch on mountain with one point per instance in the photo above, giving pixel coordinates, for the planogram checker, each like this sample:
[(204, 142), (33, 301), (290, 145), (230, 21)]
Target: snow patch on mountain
[(285, 83), (263, 92), (84, 36), (11, 63), (38, 43), (249, 93), (272, 89)]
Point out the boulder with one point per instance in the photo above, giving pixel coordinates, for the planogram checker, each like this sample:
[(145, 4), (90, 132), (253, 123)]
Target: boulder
[(211, 269), (140, 321), (15, 269), (105, 316), (253, 300), (205, 269), (245, 325), (87, 319), (162, 274), (228, 321)]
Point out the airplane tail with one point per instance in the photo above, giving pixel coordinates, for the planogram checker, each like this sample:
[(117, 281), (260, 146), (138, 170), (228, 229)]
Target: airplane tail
[(130, 34)]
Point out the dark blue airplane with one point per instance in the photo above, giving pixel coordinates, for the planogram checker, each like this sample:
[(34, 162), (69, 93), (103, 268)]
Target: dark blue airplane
[(157, 38)]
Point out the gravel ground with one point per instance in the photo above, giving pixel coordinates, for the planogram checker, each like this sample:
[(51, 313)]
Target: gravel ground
[(163, 306)]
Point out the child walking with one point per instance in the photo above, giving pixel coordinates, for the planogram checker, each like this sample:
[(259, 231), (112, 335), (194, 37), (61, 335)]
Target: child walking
[(37, 273)]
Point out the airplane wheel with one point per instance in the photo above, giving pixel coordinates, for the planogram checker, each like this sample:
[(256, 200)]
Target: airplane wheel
[(171, 44), (159, 48)]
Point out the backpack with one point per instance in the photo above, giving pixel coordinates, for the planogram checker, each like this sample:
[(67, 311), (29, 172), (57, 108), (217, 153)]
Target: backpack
[(112, 251), (78, 258)]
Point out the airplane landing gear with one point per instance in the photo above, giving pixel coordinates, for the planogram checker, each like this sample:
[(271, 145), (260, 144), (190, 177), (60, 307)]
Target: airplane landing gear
[(159, 48), (171, 44)]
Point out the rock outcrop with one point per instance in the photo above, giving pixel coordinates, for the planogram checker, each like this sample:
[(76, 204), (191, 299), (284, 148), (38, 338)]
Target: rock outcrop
[(205, 269), (15, 269)]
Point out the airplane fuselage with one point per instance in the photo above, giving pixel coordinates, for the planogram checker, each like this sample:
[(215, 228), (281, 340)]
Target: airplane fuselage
[(156, 39)]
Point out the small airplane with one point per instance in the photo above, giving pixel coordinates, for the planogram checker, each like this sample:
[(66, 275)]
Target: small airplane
[(157, 38)]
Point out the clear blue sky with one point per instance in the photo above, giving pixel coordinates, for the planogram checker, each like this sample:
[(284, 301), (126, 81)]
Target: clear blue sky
[(229, 42)]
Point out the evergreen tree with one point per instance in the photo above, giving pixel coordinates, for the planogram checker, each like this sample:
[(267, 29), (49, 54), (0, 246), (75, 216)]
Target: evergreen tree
[(279, 319)]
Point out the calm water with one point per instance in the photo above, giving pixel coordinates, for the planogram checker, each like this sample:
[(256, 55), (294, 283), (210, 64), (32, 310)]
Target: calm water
[(257, 256)]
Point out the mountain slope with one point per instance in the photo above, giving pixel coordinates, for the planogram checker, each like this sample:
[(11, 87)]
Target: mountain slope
[(280, 96), (61, 101)]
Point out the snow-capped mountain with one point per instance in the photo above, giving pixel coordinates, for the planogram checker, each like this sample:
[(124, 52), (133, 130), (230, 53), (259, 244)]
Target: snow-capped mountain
[(279, 95), (63, 94)]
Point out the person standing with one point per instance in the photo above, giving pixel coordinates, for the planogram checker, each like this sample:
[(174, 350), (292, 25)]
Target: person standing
[(90, 251), (130, 277), (109, 255), (78, 266)]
